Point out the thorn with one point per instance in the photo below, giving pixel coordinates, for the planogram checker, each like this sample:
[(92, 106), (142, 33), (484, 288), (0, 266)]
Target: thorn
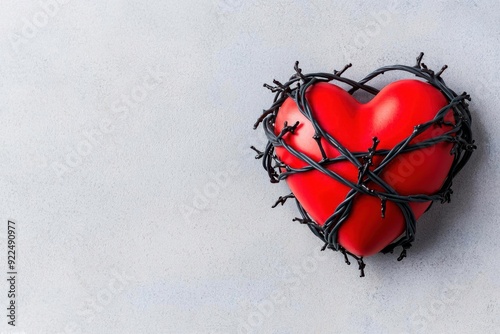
[(298, 71), (287, 128), (446, 197), (362, 266), (317, 138), (265, 113), (469, 146), (259, 155), (441, 70), (402, 255), (282, 199), (302, 220), (339, 73), (279, 84), (425, 69), (419, 59), (375, 143), (292, 129), (272, 88), (346, 259)]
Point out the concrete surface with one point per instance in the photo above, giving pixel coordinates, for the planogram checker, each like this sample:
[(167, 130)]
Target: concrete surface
[(116, 117)]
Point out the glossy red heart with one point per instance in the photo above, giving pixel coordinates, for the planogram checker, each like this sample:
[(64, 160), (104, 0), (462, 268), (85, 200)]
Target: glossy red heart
[(390, 116)]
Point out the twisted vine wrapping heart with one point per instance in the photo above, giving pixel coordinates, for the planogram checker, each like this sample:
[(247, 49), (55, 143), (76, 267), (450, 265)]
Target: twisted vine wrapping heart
[(369, 181)]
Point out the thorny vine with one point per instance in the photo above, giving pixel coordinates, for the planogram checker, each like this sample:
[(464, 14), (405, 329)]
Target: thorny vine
[(459, 134)]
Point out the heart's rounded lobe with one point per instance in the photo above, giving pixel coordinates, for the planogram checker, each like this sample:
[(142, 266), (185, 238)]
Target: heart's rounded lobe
[(390, 116)]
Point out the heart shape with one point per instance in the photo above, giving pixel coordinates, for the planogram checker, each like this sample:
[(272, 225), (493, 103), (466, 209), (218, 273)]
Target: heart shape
[(391, 117)]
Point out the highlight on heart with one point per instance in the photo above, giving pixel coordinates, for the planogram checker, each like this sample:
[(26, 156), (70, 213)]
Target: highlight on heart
[(362, 174)]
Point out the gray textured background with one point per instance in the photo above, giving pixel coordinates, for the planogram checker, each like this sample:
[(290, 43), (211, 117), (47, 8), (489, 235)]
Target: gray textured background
[(122, 228)]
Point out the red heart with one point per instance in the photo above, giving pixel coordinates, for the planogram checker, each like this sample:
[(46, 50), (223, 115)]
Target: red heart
[(391, 117)]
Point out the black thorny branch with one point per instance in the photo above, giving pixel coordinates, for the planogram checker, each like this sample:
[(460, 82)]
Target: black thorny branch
[(459, 133)]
